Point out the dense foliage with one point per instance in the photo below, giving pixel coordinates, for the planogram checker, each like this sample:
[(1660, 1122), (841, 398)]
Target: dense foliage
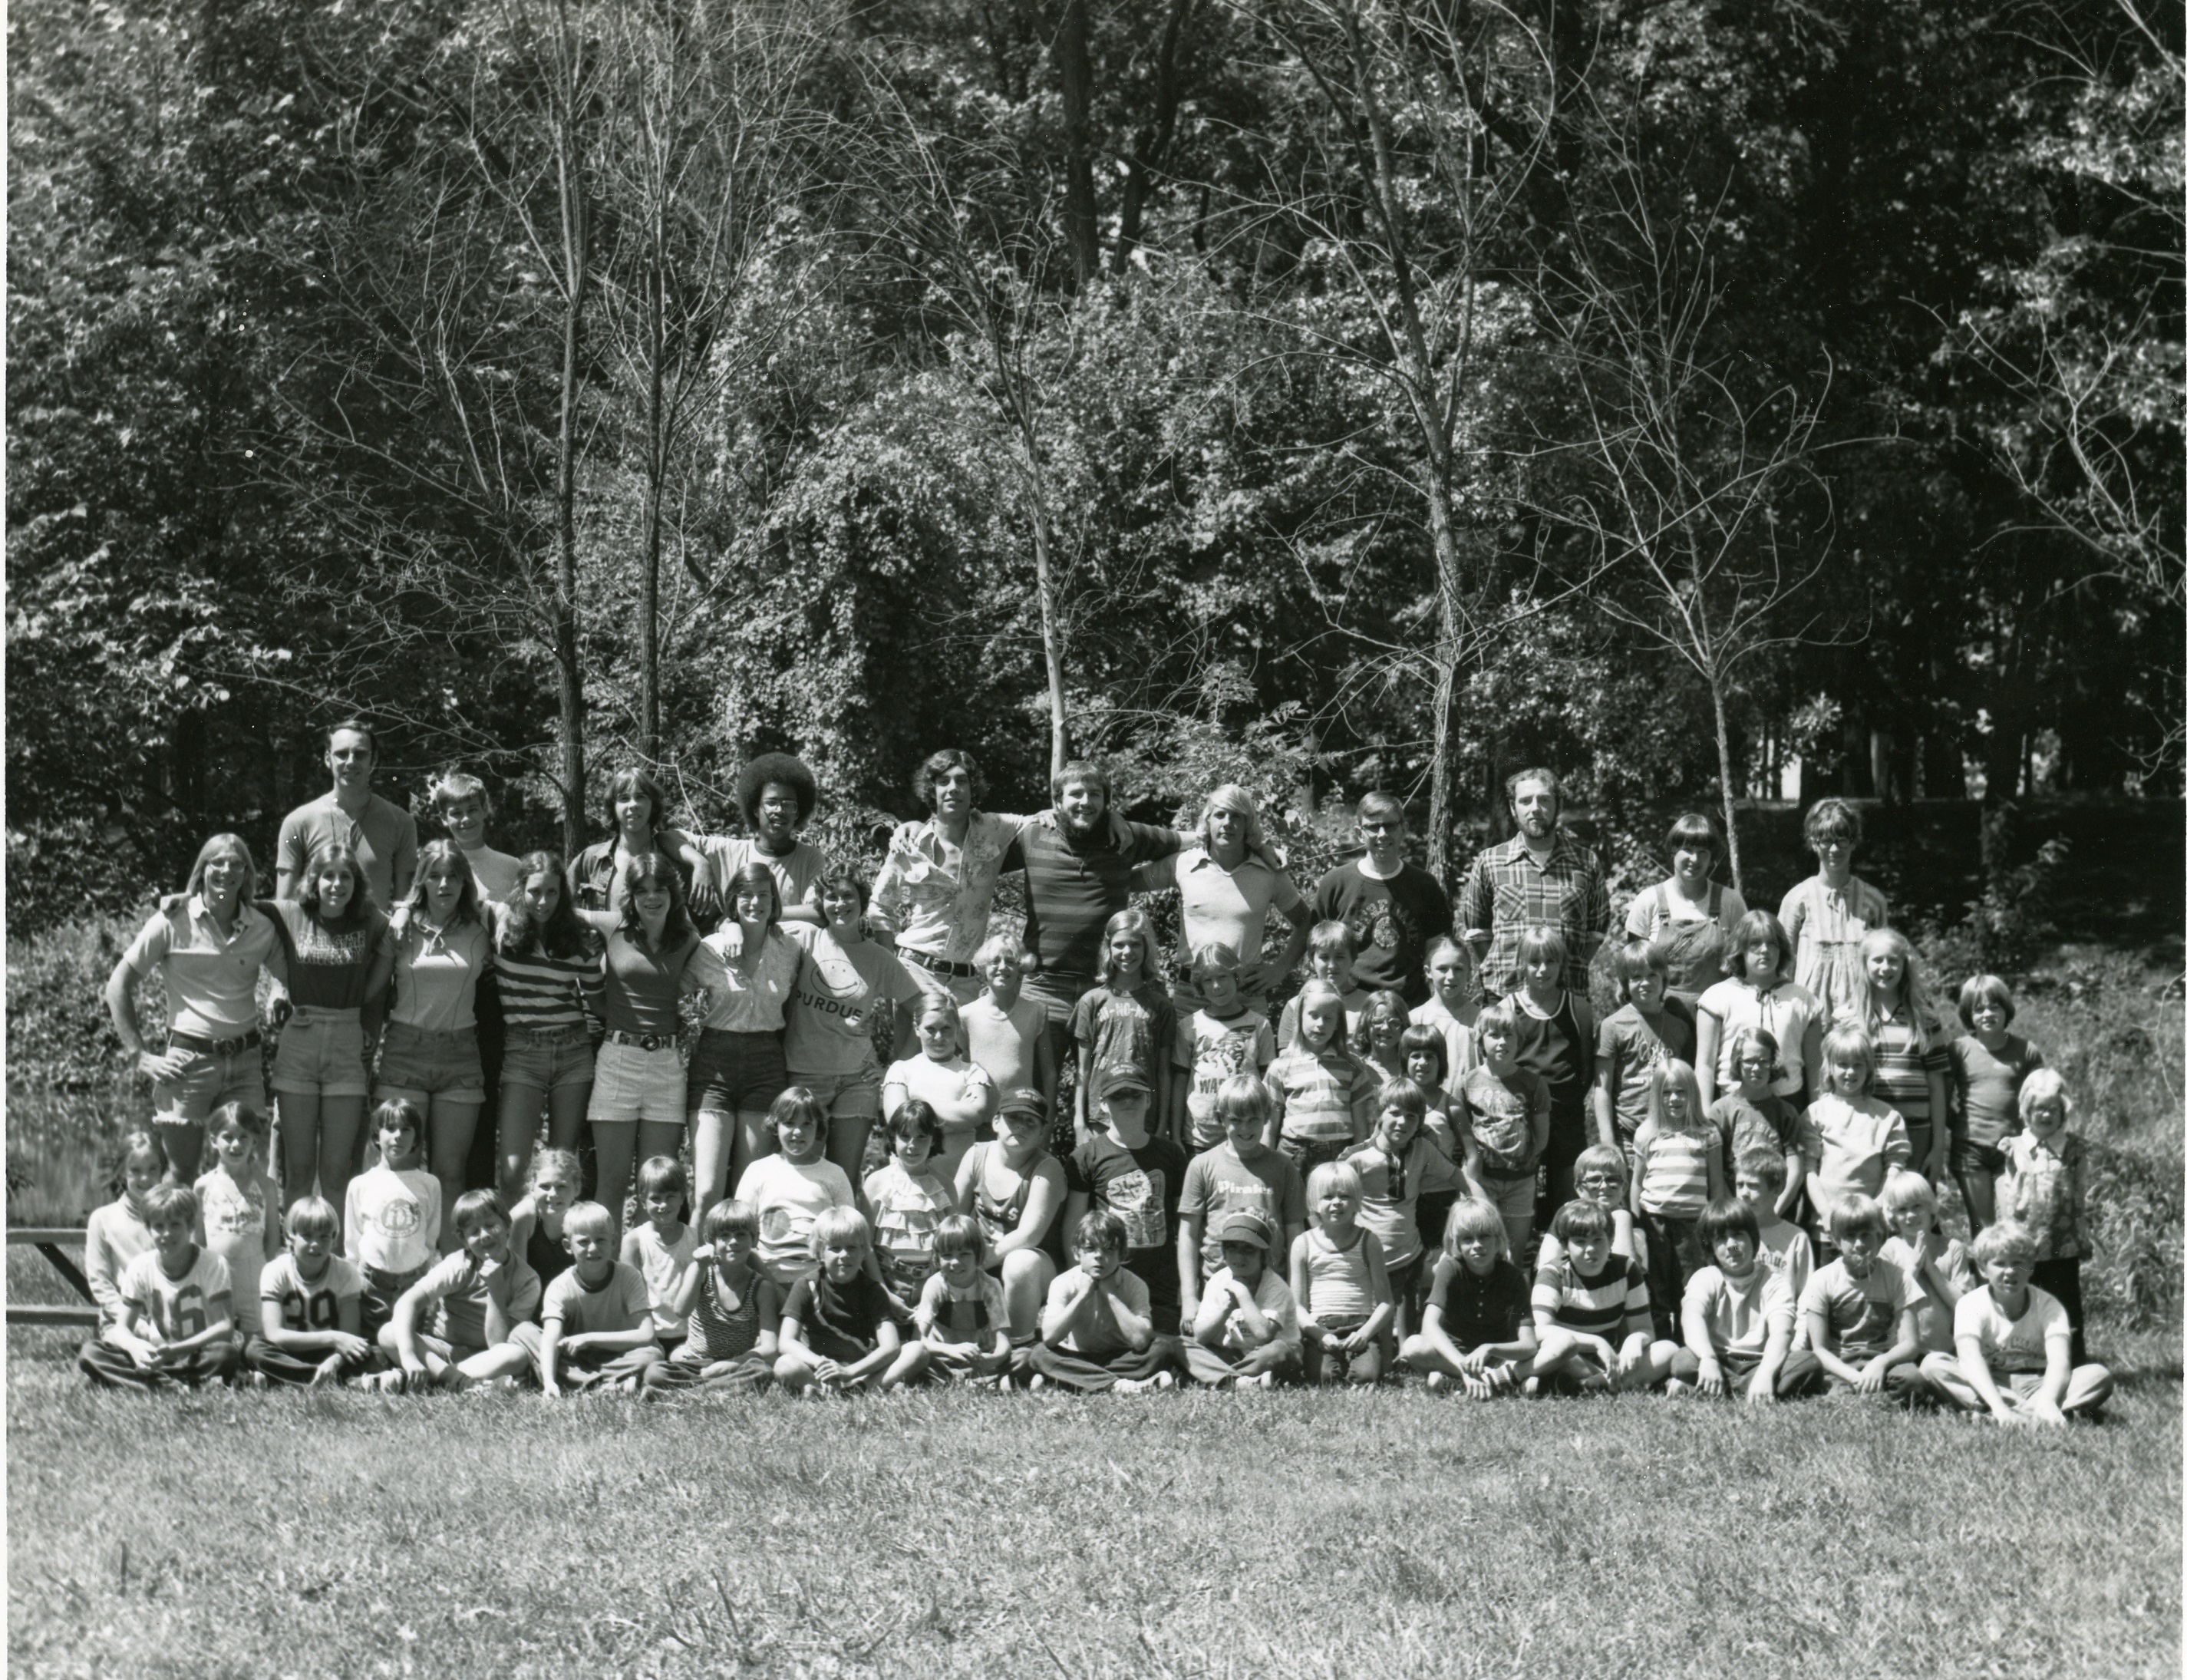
[(1332, 392)]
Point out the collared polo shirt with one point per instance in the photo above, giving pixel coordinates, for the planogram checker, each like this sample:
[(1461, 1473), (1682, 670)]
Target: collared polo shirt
[(211, 978)]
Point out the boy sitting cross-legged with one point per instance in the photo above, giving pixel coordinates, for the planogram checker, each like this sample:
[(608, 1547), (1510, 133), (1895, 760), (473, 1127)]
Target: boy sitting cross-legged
[(733, 1311), (2015, 1352), (961, 1314), (1097, 1332), (1245, 1333), (173, 1324), (482, 1297), (841, 1330), (310, 1313), (1737, 1317), (1859, 1309), (596, 1328), (1585, 1298)]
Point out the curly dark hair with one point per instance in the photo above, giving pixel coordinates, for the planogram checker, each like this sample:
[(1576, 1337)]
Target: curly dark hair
[(940, 764), (776, 766)]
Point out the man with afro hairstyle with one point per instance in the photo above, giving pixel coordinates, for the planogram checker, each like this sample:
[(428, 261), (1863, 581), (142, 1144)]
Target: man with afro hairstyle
[(776, 793)]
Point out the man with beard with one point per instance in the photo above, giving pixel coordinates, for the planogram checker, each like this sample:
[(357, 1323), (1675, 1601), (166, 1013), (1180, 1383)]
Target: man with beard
[(1540, 878), (1393, 907), (1078, 874)]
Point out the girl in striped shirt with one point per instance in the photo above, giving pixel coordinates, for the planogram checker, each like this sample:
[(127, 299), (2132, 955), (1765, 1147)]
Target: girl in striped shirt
[(1913, 1056), (1325, 1098), (1677, 1161), (546, 962)]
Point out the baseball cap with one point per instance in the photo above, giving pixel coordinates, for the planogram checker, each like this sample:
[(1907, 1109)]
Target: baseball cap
[(1124, 1077), (1022, 1100), (1244, 1227)]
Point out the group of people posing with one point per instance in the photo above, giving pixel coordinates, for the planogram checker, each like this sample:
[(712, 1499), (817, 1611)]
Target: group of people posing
[(1082, 1167)]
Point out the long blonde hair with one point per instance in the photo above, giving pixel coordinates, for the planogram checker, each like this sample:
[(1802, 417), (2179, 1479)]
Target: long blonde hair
[(1913, 994)]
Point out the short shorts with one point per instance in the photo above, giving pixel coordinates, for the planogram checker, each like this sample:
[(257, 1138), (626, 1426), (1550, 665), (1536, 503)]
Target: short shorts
[(845, 1096), (630, 1084), (1512, 1198), (556, 1060), (322, 1051), (416, 1059), (1306, 1154), (1968, 1157), (736, 1073), (207, 1081)]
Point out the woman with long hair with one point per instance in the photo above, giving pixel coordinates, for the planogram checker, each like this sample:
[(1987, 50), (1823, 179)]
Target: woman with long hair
[(749, 968), (546, 966)]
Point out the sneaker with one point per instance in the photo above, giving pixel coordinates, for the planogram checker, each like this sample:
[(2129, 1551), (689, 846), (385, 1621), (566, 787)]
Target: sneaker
[(1130, 1385), (1437, 1382), (1163, 1380), (1036, 1385)]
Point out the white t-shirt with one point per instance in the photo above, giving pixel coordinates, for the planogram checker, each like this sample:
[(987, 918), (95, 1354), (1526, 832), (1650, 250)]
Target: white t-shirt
[(1272, 1294), (788, 1198), (234, 1219), (2022, 1343), (174, 1309), (393, 1219), (948, 1087), (662, 1264), (285, 1298)]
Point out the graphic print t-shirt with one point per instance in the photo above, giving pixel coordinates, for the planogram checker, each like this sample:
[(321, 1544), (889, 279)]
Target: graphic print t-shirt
[(1141, 1186), (1391, 922)]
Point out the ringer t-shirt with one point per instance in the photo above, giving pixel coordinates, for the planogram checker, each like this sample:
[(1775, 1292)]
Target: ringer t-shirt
[(287, 1298), (618, 1302), (1072, 887), (327, 966), (177, 1308), (384, 838)]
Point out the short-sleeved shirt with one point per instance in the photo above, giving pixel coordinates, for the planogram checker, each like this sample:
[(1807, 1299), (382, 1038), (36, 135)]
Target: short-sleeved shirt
[(234, 1217), (1861, 1313), (1219, 1182), (384, 838), (1218, 906), (287, 1298), (662, 1265), (840, 1318), (1507, 891), (1629, 1047), (1909, 1048), (1218, 1049), (788, 1197), (1786, 1251), (210, 978), (463, 1288), (1770, 1124), (643, 988), (1826, 927), (955, 1082), (1742, 1313), (1277, 1305), (392, 1221), (1089, 1342), (1849, 1148), (1502, 1116), (944, 1316), (1672, 1163), (1142, 1187), (174, 1309), (1392, 923), (907, 1207), (1459, 1053), (1985, 1087), (618, 1302), (1478, 1309), (328, 966), (741, 996), (1390, 1189), (796, 872), (1324, 1099), (2045, 1187), (1784, 1012), (1073, 885), (1003, 1043), (543, 994), (1612, 1304), (934, 896), (434, 987), (1135, 1029), (2013, 1344), (840, 989)]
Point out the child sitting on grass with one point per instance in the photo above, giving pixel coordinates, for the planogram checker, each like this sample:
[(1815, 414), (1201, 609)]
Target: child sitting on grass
[(1988, 1064), (116, 1233), (961, 1315), (483, 1299), (1243, 1175), (953, 1088), (1737, 1317), (1392, 1164), (910, 1197), (1341, 1283), (391, 1215), (2045, 1189), (1246, 1333), (1859, 1310), (1330, 949), (240, 1205), (1591, 1314), (1476, 1332), (2013, 1347), (535, 1224), (310, 1307), (731, 1311), (1936, 1265), (660, 1247), (173, 1324), (1502, 1119), (1223, 1040), (1678, 1158), (1752, 1116), (1851, 1143), (1646, 1030), (595, 1320), (1096, 1331), (1758, 1180), (1449, 1012), (841, 1331)]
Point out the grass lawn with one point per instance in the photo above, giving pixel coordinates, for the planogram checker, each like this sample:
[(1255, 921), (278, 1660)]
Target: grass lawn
[(1392, 1534)]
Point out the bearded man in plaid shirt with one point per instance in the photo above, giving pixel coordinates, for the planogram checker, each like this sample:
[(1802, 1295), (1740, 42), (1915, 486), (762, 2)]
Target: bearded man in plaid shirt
[(1540, 878)]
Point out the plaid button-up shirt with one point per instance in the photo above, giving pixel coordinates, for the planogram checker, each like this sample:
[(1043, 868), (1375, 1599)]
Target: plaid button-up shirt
[(1506, 892)]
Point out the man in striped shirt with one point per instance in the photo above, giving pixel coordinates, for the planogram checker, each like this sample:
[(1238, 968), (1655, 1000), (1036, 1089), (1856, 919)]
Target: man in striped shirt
[(1591, 1311), (1540, 878)]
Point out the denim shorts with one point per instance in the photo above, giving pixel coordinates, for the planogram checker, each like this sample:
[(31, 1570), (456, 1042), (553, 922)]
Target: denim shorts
[(415, 1059), (556, 1060), (737, 1072), (630, 1084), (321, 1050), (846, 1096), (208, 1080)]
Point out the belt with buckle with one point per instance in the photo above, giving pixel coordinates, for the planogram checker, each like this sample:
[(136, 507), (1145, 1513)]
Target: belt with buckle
[(937, 964), (648, 1041), (213, 1047)]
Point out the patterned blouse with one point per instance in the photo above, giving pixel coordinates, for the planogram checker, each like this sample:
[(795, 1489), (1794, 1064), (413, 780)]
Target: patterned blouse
[(932, 895)]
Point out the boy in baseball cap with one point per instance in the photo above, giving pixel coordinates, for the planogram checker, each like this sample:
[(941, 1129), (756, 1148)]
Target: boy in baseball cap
[(1246, 1333)]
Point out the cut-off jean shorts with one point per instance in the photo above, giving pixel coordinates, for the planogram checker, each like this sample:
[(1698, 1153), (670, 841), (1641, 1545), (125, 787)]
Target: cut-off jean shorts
[(321, 1050), (736, 1073), (846, 1096), (631, 1084), (208, 1080), (551, 1058), (439, 1064)]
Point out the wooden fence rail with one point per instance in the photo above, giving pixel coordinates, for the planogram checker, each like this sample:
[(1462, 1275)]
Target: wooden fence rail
[(48, 1240)]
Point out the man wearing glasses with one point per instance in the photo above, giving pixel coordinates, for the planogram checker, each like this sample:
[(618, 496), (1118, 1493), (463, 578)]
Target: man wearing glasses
[(1393, 907)]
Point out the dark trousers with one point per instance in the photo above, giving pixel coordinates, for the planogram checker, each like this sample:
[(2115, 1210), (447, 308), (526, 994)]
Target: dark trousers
[(279, 1365), (111, 1367), (479, 1173), (1331, 1365), (1568, 1137), (2063, 1277), (1674, 1254), (1802, 1373), (1082, 1375)]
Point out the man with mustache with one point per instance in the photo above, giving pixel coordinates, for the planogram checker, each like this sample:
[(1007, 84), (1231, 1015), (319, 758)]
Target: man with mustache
[(1540, 878)]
